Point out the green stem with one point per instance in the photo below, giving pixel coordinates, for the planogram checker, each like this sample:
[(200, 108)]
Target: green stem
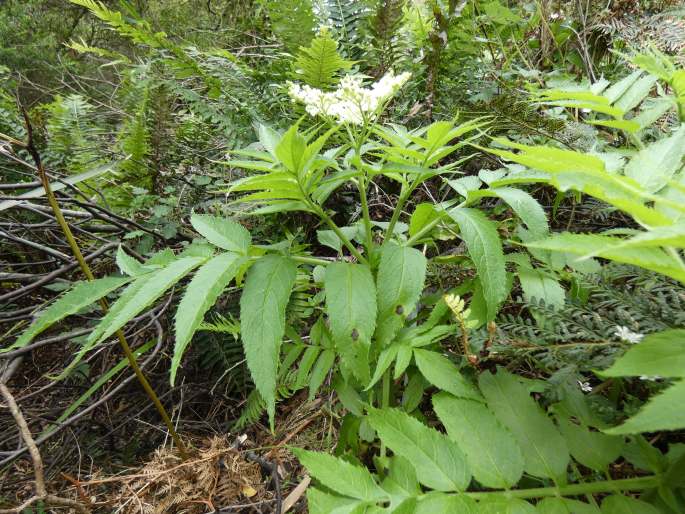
[(404, 196), (385, 401), (365, 214), (325, 217), (604, 486), (308, 259), (52, 200)]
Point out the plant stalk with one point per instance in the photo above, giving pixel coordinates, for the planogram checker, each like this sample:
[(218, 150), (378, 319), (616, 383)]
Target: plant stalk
[(52, 200)]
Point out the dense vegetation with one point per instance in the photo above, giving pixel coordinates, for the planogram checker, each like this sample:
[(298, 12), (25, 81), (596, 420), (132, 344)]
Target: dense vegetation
[(363, 256)]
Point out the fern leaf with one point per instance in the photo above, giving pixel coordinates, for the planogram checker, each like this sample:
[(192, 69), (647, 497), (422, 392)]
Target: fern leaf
[(318, 64)]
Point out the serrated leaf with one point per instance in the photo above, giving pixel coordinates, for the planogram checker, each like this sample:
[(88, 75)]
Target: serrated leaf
[(565, 506), (323, 365), (128, 265), (659, 354), (401, 274), (617, 504), (485, 249), (593, 450), (523, 204), (136, 297), (318, 64), (654, 165), (491, 451), (262, 321), (81, 295), (434, 503), (222, 232), (544, 450), (401, 482), (320, 502), (202, 291), (444, 374), (351, 310), (341, 476), (438, 461), (501, 505), (662, 412)]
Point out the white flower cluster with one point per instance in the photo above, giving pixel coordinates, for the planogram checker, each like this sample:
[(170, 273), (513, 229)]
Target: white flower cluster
[(627, 335), (350, 103)]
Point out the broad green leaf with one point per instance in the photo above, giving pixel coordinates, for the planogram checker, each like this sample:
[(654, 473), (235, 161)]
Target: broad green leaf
[(434, 503), (502, 505), (262, 321), (544, 450), (662, 354), (565, 506), (136, 297), (662, 412), (291, 150), (537, 284), (330, 239), (491, 451), (205, 287), (617, 504), (401, 482), (619, 88), (612, 248), (443, 374), (485, 249), (341, 476), (351, 310), (438, 461), (399, 285), (320, 502), (654, 165), (385, 359), (423, 214), (81, 295), (637, 92), (627, 125), (523, 204), (593, 450), (222, 232)]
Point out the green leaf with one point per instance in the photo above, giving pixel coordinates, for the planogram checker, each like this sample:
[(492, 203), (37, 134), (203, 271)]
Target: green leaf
[(662, 412), (593, 450), (565, 506), (323, 365), (205, 287), (544, 449), (318, 64), (485, 249), (222, 232), (401, 482), (654, 165), (637, 92), (262, 321), (662, 354), (320, 502), (491, 450), (523, 204), (423, 214), (136, 297), (537, 284), (438, 461), (401, 274), (341, 476), (501, 505), (291, 150), (617, 504), (81, 295), (128, 265), (443, 374), (351, 310), (434, 503)]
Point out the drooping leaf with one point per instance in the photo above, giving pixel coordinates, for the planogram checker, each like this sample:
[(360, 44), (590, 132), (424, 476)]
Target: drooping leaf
[(544, 449), (662, 412), (81, 295), (485, 249), (593, 450), (618, 504), (399, 284), (491, 451), (341, 476), (654, 165), (438, 461), (351, 310), (222, 232), (444, 374), (323, 365), (262, 321), (136, 297), (659, 354), (565, 506), (523, 204), (205, 287)]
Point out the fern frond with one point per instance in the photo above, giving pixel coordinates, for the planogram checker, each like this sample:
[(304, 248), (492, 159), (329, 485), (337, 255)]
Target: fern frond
[(319, 63)]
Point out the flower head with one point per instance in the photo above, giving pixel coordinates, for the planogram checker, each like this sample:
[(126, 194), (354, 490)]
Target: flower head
[(627, 335), (351, 102)]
